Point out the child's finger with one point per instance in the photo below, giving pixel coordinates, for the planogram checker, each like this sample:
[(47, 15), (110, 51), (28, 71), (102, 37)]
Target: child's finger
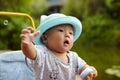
[(95, 72), (24, 31), (29, 28), (36, 33), (91, 75), (87, 78)]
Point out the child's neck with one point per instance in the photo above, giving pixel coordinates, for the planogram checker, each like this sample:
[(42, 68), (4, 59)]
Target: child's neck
[(62, 56)]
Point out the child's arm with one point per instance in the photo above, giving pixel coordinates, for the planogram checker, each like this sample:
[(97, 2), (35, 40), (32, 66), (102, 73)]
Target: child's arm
[(26, 42)]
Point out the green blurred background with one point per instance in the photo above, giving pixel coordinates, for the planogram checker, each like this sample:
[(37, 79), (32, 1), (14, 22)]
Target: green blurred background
[(99, 42)]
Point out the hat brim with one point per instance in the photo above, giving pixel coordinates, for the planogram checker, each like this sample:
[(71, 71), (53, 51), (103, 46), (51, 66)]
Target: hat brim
[(53, 22)]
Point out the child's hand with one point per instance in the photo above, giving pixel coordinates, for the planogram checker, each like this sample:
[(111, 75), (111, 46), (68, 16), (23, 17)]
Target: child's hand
[(27, 37), (93, 74), (89, 77)]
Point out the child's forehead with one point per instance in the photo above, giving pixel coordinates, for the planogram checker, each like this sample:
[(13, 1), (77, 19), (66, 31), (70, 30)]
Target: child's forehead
[(63, 26), (60, 26)]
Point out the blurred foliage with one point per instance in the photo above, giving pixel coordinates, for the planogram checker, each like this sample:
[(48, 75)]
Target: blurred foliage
[(15, 5), (38, 7), (115, 71), (100, 19), (10, 33)]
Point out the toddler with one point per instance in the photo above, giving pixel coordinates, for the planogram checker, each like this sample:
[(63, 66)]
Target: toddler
[(47, 50)]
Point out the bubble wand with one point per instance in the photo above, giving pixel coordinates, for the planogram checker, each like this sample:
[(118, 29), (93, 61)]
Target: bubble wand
[(87, 74), (19, 14)]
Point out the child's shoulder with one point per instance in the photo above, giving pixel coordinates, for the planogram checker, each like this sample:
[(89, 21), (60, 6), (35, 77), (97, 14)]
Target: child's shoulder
[(72, 53), (41, 48)]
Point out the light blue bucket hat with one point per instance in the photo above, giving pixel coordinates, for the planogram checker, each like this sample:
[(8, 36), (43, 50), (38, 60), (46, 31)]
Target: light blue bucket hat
[(55, 19)]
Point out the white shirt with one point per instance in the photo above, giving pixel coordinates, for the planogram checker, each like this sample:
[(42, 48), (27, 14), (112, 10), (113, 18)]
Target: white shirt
[(48, 67)]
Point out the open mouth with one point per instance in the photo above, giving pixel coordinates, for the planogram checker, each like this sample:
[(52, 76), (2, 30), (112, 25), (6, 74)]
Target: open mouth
[(66, 42)]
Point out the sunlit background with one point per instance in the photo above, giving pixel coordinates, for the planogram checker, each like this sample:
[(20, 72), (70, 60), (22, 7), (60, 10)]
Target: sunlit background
[(99, 43)]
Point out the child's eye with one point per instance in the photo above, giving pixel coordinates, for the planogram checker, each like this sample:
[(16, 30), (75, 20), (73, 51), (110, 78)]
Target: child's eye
[(71, 33), (60, 30)]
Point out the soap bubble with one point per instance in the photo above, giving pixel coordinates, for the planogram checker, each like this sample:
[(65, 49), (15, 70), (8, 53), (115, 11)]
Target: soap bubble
[(5, 22)]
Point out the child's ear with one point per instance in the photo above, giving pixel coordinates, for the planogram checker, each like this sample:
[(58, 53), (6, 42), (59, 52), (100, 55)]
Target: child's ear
[(44, 38)]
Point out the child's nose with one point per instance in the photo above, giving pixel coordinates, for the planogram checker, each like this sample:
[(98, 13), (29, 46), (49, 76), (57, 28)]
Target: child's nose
[(67, 34)]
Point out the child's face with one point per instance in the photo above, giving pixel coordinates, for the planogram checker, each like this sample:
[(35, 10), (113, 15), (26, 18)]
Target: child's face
[(59, 39)]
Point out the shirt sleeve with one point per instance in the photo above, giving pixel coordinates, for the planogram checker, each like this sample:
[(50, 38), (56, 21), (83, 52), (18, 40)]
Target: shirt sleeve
[(80, 63), (38, 60)]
